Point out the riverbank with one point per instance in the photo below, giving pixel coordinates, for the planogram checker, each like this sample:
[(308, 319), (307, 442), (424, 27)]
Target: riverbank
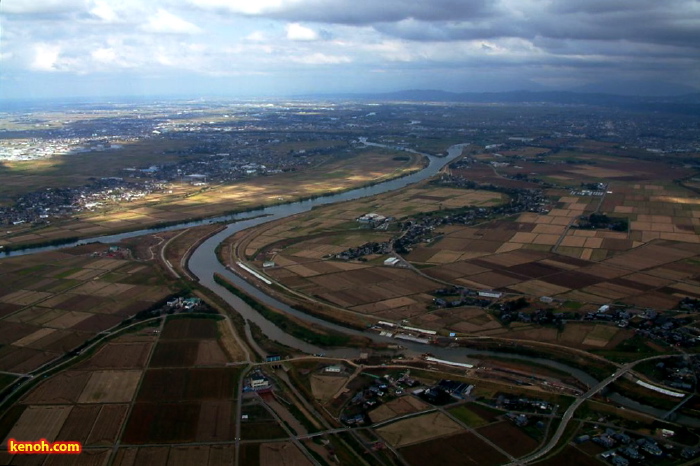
[(214, 214)]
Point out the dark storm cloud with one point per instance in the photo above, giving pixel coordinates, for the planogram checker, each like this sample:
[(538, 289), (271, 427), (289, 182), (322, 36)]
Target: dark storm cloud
[(675, 22), (674, 27), (357, 12), (612, 6), (645, 23), (421, 43)]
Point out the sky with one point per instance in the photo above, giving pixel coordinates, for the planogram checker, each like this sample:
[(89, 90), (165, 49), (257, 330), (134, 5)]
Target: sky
[(245, 48)]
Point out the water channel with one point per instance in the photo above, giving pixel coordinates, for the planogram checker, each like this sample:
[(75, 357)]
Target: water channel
[(203, 263)]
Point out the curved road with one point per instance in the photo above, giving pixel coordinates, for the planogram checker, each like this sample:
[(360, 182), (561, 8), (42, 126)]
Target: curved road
[(569, 413), (203, 263)]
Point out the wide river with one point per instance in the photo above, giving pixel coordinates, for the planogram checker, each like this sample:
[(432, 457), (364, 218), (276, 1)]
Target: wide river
[(203, 263)]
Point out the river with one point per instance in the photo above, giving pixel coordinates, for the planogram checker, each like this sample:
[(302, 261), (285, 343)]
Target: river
[(203, 263)]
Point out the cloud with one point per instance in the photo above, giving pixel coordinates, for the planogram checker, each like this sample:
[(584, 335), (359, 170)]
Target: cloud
[(105, 55), (164, 22), (256, 36), (644, 21), (438, 41), (258, 7), (321, 59), (351, 11), (103, 11), (40, 7), (45, 57), (296, 31)]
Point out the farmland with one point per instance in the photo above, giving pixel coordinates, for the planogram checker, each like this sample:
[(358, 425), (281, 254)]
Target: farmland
[(116, 395), (551, 252), (464, 448), (183, 201), (54, 302), (418, 429), (178, 402), (507, 436), (300, 252), (472, 416), (577, 255), (324, 388), (397, 407)]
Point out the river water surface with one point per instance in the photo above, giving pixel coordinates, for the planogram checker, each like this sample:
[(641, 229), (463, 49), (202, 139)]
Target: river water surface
[(203, 263)]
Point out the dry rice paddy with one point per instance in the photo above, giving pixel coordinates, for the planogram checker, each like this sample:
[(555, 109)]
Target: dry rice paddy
[(418, 429)]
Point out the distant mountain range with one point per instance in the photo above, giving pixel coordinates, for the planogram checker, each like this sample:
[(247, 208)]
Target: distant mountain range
[(637, 88), (686, 104)]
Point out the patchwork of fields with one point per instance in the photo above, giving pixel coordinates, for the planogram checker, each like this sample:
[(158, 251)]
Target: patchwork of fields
[(182, 201), (119, 395), (52, 303), (533, 254)]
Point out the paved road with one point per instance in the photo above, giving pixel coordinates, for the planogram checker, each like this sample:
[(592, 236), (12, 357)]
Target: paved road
[(53, 365), (569, 413), (239, 407)]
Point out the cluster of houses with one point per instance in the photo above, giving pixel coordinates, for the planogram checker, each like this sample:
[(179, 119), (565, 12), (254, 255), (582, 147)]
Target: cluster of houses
[(622, 448), (41, 206), (181, 304), (522, 420), (445, 391), (586, 192), (40, 148), (667, 329), (219, 167), (540, 316), (647, 323), (460, 296), (422, 228), (689, 304), (596, 221), (366, 249), (590, 189), (373, 219), (461, 301), (177, 305), (366, 400), (381, 390), (402, 331), (679, 372), (113, 251), (515, 403)]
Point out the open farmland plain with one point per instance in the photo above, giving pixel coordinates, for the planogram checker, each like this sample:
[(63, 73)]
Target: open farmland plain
[(183, 201), (652, 262), (55, 302), (300, 247), (500, 254), (465, 448), (116, 396), (418, 429)]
